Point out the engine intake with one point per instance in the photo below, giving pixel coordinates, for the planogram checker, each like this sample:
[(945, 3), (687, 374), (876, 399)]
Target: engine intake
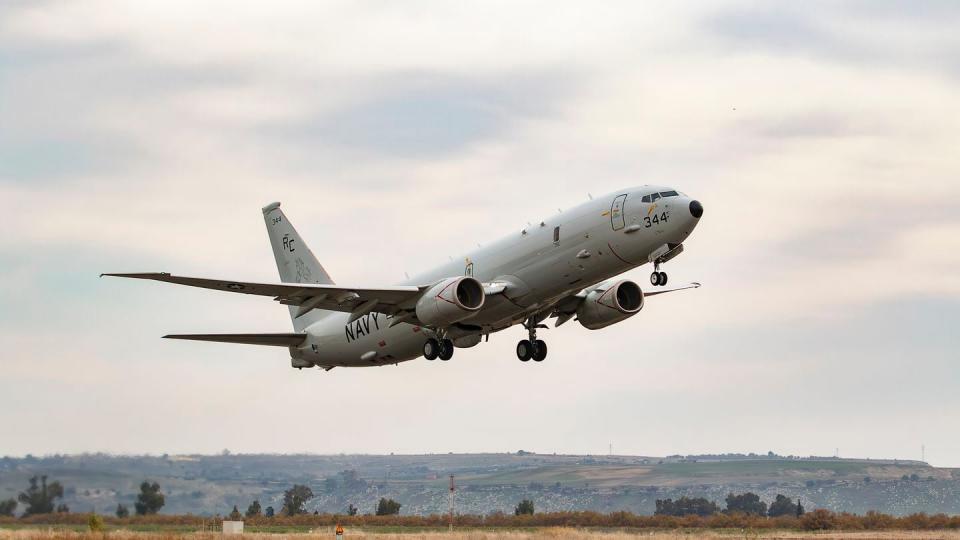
[(450, 301), (605, 306)]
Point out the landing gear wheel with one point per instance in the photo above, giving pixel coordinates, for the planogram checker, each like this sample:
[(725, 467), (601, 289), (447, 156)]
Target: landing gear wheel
[(524, 350), (446, 350), (663, 279), (655, 278), (539, 350), (431, 349)]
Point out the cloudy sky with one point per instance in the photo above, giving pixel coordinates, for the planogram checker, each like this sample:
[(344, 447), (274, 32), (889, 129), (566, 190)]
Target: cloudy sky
[(822, 138)]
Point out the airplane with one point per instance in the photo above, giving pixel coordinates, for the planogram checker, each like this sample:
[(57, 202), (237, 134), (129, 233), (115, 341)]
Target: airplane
[(564, 267)]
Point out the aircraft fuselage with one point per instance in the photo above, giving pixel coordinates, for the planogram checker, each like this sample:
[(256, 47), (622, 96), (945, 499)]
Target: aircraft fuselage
[(543, 263)]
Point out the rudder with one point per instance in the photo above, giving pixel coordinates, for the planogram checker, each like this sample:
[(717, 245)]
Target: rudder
[(295, 262)]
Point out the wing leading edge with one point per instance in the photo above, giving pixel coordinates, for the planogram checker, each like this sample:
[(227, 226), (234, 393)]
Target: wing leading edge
[(308, 296)]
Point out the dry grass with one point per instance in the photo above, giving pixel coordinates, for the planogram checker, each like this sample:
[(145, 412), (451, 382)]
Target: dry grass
[(548, 533)]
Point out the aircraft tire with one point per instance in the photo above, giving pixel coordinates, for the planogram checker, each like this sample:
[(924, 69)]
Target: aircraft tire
[(539, 351), (655, 278), (431, 349), (524, 350), (663, 279), (446, 350)]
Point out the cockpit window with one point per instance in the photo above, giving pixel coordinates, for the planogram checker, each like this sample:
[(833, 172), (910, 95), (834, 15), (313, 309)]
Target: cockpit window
[(654, 197), (670, 193), (645, 198)]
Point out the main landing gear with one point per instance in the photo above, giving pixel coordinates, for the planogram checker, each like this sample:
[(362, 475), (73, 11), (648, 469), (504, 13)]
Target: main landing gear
[(658, 278), (434, 348), (533, 348)]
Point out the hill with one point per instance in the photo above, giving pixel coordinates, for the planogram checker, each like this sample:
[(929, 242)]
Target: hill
[(487, 483)]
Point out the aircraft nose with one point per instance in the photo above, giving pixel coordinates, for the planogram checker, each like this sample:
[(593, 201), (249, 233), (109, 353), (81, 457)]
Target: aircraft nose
[(696, 209)]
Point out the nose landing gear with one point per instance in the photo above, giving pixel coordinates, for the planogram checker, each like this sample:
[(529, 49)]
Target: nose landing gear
[(533, 348)]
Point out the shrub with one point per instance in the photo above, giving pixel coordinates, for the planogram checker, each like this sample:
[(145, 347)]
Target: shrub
[(819, 520), (95, 523)]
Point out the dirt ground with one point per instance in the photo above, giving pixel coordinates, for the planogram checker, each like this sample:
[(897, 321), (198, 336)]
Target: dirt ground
[(535, 534)]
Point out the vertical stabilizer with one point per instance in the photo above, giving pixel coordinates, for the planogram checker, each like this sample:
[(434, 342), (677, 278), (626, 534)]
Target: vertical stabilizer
[(295, 261)]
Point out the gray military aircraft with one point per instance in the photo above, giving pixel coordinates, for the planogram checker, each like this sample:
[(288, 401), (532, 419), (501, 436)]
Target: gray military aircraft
[(563, 267)]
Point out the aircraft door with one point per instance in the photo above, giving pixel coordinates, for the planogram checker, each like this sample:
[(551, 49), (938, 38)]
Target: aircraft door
[(617, 217)]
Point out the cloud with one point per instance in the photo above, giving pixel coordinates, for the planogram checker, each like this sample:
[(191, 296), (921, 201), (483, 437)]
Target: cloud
[(904, 35), (428, 114), (149, 137)]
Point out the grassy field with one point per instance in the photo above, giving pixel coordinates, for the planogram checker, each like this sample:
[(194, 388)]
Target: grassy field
[(550, 533)]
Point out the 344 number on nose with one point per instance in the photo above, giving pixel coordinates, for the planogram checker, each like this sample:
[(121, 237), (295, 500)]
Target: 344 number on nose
[(648, 222)]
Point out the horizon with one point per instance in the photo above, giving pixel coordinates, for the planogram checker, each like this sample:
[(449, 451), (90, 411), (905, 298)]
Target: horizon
[(230, 453)]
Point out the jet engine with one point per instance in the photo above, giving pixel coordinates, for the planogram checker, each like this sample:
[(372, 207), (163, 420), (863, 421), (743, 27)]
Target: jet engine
[(449, 301), (605, 306)]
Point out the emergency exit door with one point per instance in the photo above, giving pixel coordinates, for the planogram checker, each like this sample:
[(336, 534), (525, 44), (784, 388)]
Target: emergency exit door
[(617, 218)]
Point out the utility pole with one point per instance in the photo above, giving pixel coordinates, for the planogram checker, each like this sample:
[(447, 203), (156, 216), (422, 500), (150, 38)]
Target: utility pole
[(453, 488), (923, 453)]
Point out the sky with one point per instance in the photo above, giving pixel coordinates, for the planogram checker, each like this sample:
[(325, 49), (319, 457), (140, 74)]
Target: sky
[(823, 139)]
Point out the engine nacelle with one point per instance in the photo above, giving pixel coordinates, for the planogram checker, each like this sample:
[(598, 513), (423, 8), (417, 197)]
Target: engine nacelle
[(450, 301), (603, 307)]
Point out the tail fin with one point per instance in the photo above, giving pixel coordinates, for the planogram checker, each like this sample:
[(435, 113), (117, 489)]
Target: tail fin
[(295, 261)]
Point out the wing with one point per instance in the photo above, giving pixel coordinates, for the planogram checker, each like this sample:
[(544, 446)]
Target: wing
[(692, 285), (566, 308), (308, 296), (276, 340)]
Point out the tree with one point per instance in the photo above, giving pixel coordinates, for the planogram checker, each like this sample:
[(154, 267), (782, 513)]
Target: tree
[(150, 500), (782, 506), (294, 499), (8, 507), (800, 510), (351, 510), (122, 511), (686, 506), (235, 514), (524, 508), (747, 503), (268, 512), (95, 523), (388, 507), (62, 508), (39, 497), (253, 509)]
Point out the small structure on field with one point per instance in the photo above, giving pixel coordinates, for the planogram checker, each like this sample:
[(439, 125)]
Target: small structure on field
[(232, 527)]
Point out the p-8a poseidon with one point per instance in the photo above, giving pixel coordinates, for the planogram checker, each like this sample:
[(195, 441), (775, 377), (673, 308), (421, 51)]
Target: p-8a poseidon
[(563, 267)]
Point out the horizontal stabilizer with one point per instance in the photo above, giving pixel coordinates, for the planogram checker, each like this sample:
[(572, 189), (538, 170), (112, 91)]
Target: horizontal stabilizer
[(276, 340)]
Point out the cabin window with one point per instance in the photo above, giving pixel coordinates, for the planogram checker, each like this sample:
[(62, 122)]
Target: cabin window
[(556, 235)]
